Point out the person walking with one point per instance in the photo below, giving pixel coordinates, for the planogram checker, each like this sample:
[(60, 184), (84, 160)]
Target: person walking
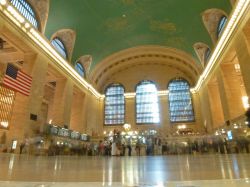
[(129, 148), (22, 145), (138, 148)]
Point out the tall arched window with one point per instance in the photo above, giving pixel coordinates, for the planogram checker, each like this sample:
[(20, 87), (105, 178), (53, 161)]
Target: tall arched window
[(207, 55), (114, 105), (221, 25), (26, 10), (59, 46), (147, 106), (180, 101), (80, 69)]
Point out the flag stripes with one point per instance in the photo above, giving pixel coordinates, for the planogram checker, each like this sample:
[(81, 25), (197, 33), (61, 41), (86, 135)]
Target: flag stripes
[(17, 80)]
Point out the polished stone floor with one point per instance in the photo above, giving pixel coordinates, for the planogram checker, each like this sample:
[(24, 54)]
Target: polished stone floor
[(160, 171)]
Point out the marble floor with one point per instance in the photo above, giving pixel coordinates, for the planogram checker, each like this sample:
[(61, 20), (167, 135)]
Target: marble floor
[(159, 171)]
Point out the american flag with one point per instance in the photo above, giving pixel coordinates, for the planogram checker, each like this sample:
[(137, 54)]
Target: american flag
[(17, 80)]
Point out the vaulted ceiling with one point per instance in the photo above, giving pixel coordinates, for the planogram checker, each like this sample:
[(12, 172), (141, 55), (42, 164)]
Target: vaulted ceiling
[(104, 27)]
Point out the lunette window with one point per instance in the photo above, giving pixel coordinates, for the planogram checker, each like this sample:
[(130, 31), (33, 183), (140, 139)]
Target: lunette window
[(221, 25), (80, 69), (59, 46), (207, 55), (180, 101), (26, 10), (114, 105), (147, 105)]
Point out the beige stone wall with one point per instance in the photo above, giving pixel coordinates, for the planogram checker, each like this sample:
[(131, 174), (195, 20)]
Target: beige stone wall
[(160, 74)]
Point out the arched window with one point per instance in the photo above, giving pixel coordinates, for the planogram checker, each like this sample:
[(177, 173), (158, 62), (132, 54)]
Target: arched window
[(207, 54), (26, 10), (59, 46), (221, 25), (80, 69), (180, 101), (147, 106), (114, 105)]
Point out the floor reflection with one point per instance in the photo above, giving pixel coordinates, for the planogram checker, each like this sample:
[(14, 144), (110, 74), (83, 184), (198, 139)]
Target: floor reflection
[(155, 170)]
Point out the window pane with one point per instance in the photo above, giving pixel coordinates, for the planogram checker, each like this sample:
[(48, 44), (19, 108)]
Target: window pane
[(180, 101), (221, 25), (26, 10), (114, 105), (59, 47), (79, 69), (147, 106)]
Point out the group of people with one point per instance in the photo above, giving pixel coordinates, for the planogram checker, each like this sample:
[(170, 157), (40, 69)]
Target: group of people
[(120, 146)]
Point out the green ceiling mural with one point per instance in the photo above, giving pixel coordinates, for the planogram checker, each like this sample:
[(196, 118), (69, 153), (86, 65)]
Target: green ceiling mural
[(104, 27)]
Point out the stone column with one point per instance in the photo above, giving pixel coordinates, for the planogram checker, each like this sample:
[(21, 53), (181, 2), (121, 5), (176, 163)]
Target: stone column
[(223, 96), (215, 104), (164, 115), (130, 112), (62, 102), (94, 113), (198, 123), (205, 109), (38, 73), (78, 113)]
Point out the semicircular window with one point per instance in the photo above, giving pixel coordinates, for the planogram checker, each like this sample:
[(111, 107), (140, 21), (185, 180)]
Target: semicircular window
[(80, 69), (114, 105), (26, 10), (59, 46), (147, 105), (221, 25), (180, 101)]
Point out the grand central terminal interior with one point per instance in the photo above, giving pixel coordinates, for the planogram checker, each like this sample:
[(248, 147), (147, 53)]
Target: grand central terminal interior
[(124, 93)]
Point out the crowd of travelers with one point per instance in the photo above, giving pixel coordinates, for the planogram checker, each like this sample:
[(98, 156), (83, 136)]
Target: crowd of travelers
[(120, 146), (154, 146)]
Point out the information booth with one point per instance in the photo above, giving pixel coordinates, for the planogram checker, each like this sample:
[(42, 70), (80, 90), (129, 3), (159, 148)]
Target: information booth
[(63, 140)]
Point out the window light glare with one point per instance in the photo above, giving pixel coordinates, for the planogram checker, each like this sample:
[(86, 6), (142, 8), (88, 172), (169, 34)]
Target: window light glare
[(114, 105), (147, 105), (245, 102)]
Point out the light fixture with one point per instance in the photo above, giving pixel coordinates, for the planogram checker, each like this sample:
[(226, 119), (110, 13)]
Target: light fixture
[(127, 126)]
